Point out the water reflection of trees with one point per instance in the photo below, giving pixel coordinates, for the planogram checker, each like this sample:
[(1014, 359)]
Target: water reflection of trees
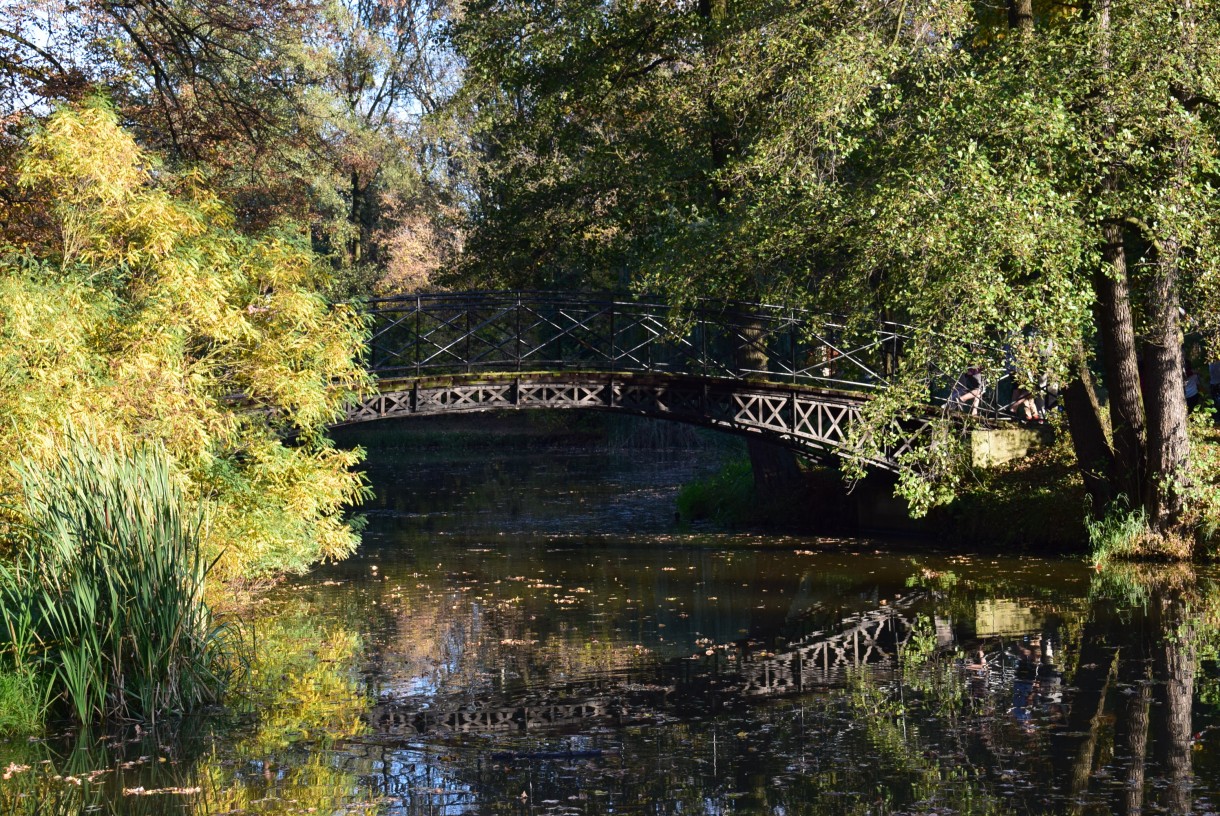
[(1084, 707), (1090, 712), (272, 754), (1108, 726), (1139, 662)]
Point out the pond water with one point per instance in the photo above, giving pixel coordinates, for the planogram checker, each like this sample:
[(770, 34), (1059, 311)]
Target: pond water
[(528, 630)]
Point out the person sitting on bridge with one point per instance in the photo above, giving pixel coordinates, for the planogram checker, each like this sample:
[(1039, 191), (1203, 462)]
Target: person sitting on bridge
[(968, 391), (1024, 404)]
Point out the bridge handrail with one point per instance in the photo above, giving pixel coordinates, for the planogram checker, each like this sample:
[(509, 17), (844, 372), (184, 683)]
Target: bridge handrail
[(502, 331)]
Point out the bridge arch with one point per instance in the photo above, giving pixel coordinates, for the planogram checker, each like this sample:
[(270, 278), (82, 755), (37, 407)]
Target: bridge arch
[(812, 422), (791, 377)]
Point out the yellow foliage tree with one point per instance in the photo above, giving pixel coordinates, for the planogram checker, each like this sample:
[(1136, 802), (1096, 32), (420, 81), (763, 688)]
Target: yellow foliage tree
[(148, 315)]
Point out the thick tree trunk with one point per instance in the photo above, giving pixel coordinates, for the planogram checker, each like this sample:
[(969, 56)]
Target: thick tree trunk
[(1115, 318), (1021, 16), (1116, 325), (1164, 396)]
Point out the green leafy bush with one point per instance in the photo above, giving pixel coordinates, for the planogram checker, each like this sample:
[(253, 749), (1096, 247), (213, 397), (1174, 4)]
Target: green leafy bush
[(726, 496), (147, 314)]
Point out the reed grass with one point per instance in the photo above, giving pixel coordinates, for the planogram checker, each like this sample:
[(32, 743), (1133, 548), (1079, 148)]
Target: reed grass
[(105, 601), (22, 705)]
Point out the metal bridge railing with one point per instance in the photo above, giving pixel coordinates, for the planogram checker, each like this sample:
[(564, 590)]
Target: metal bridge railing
[(502, 332)]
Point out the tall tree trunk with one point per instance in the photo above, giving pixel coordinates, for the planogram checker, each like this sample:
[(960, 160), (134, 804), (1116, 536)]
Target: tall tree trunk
[(1116, 325), (1164, 396), (1115, 319), (1021, 16)]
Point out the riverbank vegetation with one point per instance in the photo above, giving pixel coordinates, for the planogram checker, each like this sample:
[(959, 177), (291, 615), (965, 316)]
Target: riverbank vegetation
[(165, 383), (139, 311), (190, 194), (102, 612)]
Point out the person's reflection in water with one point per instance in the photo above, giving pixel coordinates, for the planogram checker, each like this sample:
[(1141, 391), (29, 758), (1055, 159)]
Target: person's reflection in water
[(1036, 682)]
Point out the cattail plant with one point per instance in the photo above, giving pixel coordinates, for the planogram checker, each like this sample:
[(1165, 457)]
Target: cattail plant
[(104, 602)]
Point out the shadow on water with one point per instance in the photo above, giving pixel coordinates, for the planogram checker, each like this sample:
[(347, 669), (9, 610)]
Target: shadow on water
[(530, 633)]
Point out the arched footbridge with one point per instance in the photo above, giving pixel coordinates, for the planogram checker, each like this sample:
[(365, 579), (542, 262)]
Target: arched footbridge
[(788, 376)]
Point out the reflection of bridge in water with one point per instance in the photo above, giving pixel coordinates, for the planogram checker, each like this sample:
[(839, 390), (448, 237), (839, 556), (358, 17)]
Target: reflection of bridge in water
[(873, 638), (794, 378)]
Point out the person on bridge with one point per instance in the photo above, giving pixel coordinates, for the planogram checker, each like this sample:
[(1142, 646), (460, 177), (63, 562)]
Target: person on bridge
[(1024, 405), (1190, 384), (968, 391)]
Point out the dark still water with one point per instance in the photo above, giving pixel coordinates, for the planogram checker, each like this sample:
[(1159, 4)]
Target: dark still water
[(526, 630)]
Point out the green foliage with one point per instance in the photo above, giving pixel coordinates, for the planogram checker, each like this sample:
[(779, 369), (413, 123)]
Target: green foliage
[(153, 318), (592, 132), (1037, 502), (726, 496), (1117, 535), (1203, 477), (22, 705), (105, 602), (913, 161)]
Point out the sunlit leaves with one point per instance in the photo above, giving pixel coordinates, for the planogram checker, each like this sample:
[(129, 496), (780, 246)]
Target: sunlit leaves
[(153, 318)]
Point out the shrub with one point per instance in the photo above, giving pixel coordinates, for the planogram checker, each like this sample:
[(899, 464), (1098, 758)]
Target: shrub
[(147, 314), (1121, 533), (727, 496)]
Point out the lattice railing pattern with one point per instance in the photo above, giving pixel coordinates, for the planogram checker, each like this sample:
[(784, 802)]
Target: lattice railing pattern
[(499, 332), (873, 638)]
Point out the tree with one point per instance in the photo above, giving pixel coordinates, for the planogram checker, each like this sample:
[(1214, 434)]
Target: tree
[(146, 315), (311, 109), (385, 74), (1049, 186), (585, 137)]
